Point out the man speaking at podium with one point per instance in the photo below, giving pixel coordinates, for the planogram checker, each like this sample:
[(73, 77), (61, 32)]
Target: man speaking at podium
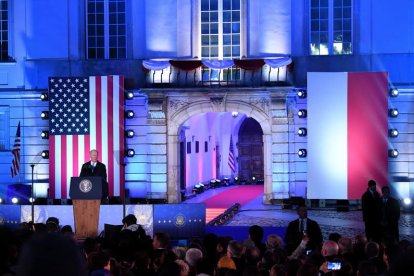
[(96, 168)]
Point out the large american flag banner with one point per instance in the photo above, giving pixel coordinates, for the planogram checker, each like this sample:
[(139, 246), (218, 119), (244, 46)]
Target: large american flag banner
[(85, 113)]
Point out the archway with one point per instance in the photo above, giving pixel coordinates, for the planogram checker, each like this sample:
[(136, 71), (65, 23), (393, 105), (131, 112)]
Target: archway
[(250, 149), (180, 108)]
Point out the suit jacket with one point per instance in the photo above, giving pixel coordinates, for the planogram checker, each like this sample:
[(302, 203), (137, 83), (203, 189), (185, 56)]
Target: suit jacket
[(371, 207), (99, 170), (293, 236), (390, 211)]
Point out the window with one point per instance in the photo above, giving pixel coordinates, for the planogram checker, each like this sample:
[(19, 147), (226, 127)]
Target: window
[(4, 30), (330, 27), (220, 35), (4, 128), (106, 29)]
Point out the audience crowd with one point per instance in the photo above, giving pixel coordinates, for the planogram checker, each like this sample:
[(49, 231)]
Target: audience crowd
[(48, 249)]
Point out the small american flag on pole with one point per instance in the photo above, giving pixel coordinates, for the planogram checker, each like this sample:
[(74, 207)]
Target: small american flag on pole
[(85, 113), (231, 162), (16, 154)]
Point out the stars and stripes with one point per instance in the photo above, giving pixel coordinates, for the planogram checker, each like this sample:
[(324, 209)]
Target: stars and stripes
[(85, 113), (232, 163), (69, 106), (15, 166)]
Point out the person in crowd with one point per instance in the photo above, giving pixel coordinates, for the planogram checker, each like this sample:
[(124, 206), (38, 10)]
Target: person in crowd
[(256, 236), (50, 254), (52, 224), (192, 256), (300, 227), (235, 252), (346, 251), (371, 212), (330, 250), (374, 254), (273, 242), (161, 241), (95, 168), (390, 215)]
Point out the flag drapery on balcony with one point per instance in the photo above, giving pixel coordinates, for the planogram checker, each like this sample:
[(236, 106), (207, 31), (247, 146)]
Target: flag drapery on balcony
[(85, 113), (189, 65), (15, 166)]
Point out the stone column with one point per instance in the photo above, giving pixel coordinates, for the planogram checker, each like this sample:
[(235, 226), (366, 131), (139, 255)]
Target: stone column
[(267, 155), (173, 193)]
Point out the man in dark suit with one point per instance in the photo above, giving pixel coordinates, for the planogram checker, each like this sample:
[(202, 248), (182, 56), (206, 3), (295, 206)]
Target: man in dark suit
[(96, 168), (371, 212), (303, 226), (390, 210)]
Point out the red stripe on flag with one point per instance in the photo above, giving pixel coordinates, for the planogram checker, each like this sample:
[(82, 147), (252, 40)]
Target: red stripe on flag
[(121, 136), (52, 157), (75, 155), (98, 134), (64, 172), (110, 148), (367, 131), (87, 148)]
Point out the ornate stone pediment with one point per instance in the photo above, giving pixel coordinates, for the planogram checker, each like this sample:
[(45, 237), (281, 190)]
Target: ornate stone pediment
[(177, 104)]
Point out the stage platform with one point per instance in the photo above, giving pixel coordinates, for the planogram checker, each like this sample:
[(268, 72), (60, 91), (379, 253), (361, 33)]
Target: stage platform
[(189, 218)]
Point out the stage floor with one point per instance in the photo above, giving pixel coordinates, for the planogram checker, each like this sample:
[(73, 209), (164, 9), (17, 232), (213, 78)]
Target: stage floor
[(255, 212)]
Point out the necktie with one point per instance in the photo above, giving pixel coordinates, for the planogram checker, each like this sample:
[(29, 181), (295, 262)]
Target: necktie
[(93, 167), (301, 226)]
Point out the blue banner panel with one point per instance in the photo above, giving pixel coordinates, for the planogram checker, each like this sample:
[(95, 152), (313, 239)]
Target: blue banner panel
[(180, 221), (10, 216)]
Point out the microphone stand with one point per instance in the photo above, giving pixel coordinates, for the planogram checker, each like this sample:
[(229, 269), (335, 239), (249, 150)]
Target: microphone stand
[(35, 161), (32, 193), (123, 195)]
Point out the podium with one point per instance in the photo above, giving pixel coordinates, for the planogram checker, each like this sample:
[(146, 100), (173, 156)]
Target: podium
[(86, 193)]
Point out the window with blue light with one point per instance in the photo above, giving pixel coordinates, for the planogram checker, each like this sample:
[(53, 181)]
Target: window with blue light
[(4, 31), (220, 36), (330, 27), (106, 29), (4, 128)]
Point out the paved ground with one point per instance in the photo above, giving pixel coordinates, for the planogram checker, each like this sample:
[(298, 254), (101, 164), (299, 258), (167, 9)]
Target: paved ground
[(345, 223)]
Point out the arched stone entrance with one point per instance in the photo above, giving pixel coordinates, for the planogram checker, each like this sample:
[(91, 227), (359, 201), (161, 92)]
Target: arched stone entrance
[(179, 105)]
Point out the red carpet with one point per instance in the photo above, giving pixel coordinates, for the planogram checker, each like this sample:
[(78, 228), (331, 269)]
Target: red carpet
[(241, 194)]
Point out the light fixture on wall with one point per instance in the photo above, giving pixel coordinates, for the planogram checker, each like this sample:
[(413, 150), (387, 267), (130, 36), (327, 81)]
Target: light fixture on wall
[(44, 134), (44, 115), (15, 200), (44, 97), (394, 92), (393, 132), (302, 113), (129, 133), (130, 153), (45, 154), (129, 114), (302, 153), (302, 131), (129, 95), (393, 153), (302, 93), (393, 112)]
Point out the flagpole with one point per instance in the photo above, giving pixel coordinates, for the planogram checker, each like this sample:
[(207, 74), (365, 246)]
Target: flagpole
[(32, 193)]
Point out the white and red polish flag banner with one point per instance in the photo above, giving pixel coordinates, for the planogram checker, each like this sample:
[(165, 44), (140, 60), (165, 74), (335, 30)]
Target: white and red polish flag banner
[(347, 133), (85, 113)]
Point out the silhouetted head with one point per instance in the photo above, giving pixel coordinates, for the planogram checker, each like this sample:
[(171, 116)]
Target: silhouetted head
[(50, 254)]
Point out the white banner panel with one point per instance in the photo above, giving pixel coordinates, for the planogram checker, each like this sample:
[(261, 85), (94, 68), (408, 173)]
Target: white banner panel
[(327, 135)]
